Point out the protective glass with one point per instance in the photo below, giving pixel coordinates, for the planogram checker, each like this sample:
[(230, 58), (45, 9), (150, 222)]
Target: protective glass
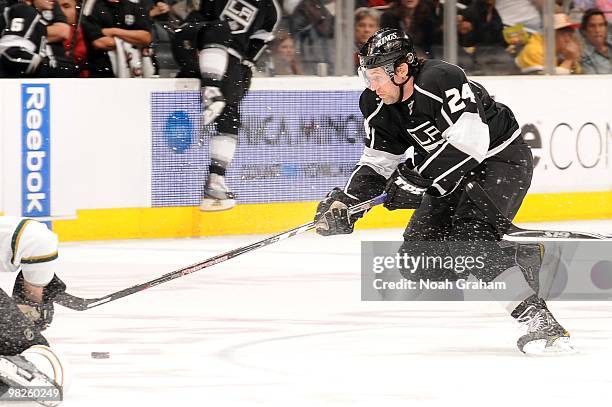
[(374, 78)]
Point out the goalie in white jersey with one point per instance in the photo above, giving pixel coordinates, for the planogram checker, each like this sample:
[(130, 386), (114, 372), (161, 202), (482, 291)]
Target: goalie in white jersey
[(29, 249)]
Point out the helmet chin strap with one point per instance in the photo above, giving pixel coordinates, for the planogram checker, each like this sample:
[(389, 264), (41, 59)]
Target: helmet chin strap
[(401, 87)]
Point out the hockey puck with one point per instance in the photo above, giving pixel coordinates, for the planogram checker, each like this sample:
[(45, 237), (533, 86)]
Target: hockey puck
[(100, 355)]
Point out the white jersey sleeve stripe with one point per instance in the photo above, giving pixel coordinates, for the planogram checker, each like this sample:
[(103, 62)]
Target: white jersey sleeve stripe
[(503, 145), (446, 117), (432, 157), (435, 182), (427, 93), (32, 26), (366, 122), (348, 183)]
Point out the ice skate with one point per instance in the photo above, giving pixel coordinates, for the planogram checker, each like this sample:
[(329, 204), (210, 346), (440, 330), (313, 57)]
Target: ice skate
[(216, 196), (19, 372), (213, 104), (545, 336)]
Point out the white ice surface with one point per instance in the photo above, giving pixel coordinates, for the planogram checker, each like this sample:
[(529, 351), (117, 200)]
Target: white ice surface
[(284, 326)]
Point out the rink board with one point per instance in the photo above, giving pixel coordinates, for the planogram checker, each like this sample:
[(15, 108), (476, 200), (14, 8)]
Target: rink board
[(127, 159)]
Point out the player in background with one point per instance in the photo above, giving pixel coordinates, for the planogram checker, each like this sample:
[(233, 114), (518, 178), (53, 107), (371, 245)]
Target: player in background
[(220, 43), (459, 134), (28, 248), (23, 44)]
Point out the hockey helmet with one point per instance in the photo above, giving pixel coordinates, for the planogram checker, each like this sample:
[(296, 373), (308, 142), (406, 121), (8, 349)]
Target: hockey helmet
[(387, 48)]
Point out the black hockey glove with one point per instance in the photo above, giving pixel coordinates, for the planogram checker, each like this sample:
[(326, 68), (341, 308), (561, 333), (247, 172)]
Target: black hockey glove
[(41, 314), (405, 189), (332, 215)]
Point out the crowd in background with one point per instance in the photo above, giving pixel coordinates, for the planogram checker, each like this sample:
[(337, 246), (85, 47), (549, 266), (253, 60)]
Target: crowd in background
[(133, 38)]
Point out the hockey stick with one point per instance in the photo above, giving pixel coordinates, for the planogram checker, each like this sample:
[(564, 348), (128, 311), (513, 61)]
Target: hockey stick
[(515, 233), (82, 304)]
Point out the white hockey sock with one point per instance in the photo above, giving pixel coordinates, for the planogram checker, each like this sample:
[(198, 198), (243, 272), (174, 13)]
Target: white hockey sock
[(222, 148), (213, 62)]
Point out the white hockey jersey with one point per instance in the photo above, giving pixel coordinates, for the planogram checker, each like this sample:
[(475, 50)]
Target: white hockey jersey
[(29, 246)]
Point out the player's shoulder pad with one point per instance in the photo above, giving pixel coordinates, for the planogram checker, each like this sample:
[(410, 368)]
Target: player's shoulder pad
[(437, 76)]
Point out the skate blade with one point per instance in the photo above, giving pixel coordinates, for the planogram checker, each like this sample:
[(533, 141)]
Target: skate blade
[(212, 111), (215, 205), (559, 347), (14, 376)]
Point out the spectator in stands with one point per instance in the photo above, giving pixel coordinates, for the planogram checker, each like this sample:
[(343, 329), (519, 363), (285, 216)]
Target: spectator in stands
[(526, 12), (23, 43), (604, 5), (158, 10), (480, 24), (58, 31), (312, 26), (597, 47), (115, 33), (367, 22), (414, 17), (284, 58), (75, 48), (481, 36), (567, 47)]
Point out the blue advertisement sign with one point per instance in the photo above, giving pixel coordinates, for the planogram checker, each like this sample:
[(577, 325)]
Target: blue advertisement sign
[(293, 146), (35, 150)]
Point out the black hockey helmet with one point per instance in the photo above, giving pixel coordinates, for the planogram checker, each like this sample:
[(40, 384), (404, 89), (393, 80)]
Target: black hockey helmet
[(387, 47)]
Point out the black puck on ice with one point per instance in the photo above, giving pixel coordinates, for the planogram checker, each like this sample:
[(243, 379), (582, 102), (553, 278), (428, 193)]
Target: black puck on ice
[(100, 355)]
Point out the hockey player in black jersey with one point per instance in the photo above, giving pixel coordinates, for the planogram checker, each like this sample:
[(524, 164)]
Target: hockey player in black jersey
[(220, 43), (23, 44), (459, 134)]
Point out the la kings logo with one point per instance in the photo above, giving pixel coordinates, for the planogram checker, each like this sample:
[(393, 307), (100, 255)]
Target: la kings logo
[(240, 15)]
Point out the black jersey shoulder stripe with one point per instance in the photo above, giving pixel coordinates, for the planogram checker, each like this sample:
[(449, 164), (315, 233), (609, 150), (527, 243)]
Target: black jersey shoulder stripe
[(16, 237), (40, 259)]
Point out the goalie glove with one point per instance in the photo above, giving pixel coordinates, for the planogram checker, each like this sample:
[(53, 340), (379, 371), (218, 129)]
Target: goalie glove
[(405, 189), (41, 314), (332, 217)]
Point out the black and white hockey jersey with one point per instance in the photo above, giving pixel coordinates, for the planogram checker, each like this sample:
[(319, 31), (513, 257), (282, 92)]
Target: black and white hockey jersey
[(451, 123), (252, 23), (23, 41)]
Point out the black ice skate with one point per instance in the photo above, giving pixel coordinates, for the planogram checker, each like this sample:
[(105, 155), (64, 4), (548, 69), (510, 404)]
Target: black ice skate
[(17, 372), (545, 336), (216, 196)]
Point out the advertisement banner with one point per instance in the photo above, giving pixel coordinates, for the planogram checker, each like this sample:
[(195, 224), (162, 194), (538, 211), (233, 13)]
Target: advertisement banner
[(35, 150), (293, 146)]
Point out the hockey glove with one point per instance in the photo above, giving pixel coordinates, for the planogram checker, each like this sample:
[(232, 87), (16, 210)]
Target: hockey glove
[(332, 217), (405, 189), (41, 314)]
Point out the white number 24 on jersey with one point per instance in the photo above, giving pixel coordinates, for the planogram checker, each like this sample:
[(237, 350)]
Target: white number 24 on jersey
[(455, 102)]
